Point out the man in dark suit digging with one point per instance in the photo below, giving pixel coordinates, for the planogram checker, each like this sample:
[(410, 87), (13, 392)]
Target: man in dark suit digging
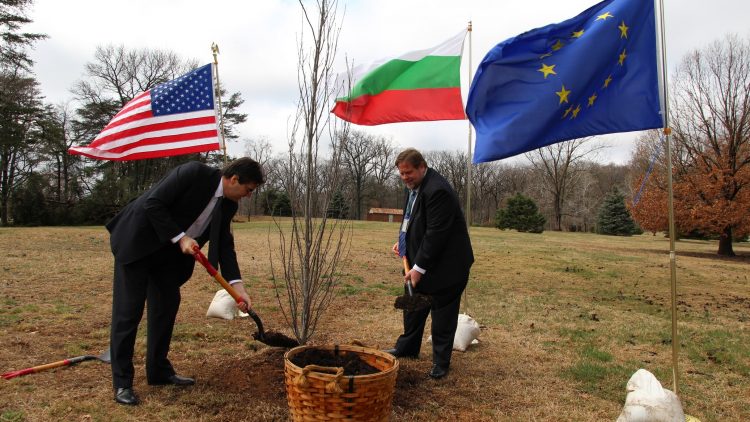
[(436, 242), (153, 240)]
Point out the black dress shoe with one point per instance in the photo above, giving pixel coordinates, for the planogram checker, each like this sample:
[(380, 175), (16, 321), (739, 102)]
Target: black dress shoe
[(126, 396), (438, 371), (397, 354), (175, 380)]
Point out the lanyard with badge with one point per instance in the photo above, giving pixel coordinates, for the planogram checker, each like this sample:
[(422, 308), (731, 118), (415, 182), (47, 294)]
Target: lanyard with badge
[(409, 207)]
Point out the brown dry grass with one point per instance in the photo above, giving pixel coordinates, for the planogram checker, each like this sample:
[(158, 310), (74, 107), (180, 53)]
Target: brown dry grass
[(567, 318)]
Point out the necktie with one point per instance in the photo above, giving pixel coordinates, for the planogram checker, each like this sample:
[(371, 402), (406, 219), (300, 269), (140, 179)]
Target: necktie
[(407, 216), (213, 237)]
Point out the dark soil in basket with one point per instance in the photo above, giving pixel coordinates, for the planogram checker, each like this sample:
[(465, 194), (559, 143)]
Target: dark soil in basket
[(413, 303), (351, 362), (274, 339)]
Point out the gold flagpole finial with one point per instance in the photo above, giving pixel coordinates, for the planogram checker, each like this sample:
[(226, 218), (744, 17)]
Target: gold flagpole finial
[(215, 51), (469, 26)]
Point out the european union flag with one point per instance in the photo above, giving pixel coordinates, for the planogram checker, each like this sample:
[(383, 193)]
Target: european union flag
[(590, 75)]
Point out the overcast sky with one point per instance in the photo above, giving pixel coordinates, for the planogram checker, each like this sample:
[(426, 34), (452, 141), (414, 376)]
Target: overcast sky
[(258, 39)]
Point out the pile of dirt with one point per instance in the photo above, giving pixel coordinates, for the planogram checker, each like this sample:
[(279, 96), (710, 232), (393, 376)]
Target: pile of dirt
[(351, 362), (275, 339), (261, 377)]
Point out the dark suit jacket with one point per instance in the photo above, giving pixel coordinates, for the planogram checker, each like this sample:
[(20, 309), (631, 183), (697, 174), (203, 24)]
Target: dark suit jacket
[(437, 239), (146, 225)]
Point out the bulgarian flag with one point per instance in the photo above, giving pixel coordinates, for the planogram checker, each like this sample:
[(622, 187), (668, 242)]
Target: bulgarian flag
[(416, 86)]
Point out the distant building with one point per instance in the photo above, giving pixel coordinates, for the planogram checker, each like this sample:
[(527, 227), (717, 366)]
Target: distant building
[(391, 215)]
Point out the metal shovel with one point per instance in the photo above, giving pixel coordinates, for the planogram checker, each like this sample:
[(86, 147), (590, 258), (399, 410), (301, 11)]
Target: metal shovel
[(104, 357)]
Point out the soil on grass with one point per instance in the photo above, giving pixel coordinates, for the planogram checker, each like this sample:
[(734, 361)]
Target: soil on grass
[(351, 362), (276, 339), (261, 376)]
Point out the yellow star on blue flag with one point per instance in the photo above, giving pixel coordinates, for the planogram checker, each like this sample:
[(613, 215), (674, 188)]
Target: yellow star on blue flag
[(590, 75)]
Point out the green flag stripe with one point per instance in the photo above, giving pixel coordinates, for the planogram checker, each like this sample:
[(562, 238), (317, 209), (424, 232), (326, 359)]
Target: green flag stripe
[(430, 72)]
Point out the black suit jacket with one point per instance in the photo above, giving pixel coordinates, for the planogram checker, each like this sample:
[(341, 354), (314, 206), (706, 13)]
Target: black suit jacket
[(437, 239), (146, 225)]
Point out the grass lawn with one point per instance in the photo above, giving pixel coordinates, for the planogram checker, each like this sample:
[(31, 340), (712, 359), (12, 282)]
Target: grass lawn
[(566, 319)]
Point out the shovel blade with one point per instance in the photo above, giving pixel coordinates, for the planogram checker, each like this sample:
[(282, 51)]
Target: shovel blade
[(106, 356)]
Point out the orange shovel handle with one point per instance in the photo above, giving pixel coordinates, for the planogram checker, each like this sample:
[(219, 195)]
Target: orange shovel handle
[(215, 274)]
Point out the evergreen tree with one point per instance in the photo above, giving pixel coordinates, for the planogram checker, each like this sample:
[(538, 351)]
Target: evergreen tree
[(282, 206), (521, 214), (14, 43), (338, 207), (29, 207), (614, 218)]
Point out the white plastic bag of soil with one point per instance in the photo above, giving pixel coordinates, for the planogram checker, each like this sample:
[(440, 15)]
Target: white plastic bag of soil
[(647, 401), (223, 306), (467, 332)]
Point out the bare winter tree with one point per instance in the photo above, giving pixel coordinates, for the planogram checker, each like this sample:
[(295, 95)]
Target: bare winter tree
[(384, 171), (486, 187), (452, 165), (358, 156), (559, 167), (259, 150), (312, 249)]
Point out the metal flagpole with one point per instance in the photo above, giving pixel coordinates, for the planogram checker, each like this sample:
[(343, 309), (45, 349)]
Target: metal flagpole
[(670, 202), (468, 164), (217, 93), (468, 177)]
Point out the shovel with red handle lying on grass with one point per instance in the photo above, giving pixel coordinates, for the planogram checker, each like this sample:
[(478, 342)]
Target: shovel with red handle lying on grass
[(104, 357), (268, 337)]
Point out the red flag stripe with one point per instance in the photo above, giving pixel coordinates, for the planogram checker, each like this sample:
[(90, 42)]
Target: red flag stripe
[(403, 106)]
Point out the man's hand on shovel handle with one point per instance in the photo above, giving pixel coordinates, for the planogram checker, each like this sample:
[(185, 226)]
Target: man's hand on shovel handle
[(245, 302), (188, 245), (413, 276)]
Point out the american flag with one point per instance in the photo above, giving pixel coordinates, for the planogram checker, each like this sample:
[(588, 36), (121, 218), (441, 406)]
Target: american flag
[(174, 118)]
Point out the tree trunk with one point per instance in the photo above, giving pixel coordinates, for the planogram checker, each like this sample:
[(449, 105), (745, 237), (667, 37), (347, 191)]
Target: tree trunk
[(725, 242), (558, 212)]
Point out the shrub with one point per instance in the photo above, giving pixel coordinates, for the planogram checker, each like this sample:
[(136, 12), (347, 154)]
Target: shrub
[(614, 217), (521, 214)]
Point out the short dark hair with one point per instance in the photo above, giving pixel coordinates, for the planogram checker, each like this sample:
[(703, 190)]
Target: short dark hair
[(246, 169), (411, 156)]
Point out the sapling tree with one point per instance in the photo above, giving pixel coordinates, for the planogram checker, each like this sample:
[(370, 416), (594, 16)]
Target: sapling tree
[(312, 247)]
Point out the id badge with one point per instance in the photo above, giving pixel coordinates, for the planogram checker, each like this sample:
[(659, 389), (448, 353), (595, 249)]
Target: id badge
[(405, 224)]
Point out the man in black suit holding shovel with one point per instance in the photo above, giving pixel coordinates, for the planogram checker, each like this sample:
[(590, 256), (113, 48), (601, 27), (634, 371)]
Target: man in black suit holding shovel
[(435, 240), (153, 240)]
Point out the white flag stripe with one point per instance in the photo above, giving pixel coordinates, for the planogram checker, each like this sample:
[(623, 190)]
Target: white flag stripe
[(451, 47), (146, 148), (153, 120), (156, 134)]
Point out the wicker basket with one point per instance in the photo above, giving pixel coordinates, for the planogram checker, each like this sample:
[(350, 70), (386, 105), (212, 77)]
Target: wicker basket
[(318, 393)]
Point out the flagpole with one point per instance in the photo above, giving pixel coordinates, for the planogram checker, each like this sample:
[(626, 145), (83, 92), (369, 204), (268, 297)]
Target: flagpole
[(215, 51), (468, 177), (468, 164), (670, 202)]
